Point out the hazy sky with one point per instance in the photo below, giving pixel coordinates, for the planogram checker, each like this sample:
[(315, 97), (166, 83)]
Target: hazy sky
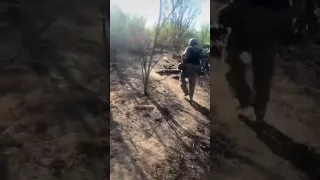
[(150, 10)]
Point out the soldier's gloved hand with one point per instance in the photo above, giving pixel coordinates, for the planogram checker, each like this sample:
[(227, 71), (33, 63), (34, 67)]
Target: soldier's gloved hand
[(181, 66)]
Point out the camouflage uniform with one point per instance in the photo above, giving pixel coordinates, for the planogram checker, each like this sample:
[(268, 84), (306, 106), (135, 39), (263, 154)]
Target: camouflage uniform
[(255, 29), (190, 70)]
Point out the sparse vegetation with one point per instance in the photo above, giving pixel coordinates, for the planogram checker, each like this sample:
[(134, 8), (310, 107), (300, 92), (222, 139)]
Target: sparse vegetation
[(148, 104), (174, 27)]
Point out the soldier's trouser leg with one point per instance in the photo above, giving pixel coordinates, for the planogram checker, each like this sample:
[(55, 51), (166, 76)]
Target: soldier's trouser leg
[(236, 78), (192, 79), (263, 62), (192, 85), (184, 83)]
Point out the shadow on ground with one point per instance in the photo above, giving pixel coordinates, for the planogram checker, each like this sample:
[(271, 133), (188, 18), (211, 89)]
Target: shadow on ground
[(203, 110), (226, 155), (304, 158), (191, 149), (122, 153)]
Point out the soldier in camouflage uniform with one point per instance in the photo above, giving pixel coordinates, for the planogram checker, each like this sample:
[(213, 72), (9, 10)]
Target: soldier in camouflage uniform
[(256, 27), (191, 63)]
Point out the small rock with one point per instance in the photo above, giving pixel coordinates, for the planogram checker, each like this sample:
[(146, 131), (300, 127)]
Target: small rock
[(158, 119)]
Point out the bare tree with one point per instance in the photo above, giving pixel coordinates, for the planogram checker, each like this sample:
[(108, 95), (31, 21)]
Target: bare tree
[(164, 37), (147, 61), (182, 20)]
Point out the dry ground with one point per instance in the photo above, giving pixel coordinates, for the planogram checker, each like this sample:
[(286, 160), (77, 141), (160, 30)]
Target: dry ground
[(161, 136), (54, 118), (287, 150)]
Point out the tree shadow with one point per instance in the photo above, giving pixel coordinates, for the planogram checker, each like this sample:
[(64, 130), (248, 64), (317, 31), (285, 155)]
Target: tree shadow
[(117, 142), (304, 158), (119, 146), (190, 147), (199, 143), (204, 153), (208, 154), (198, 151)]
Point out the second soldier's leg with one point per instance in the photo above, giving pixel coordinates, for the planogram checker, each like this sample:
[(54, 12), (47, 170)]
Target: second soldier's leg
[(183, 85), (192, 86), (236, 78), (263, 61), (193, 81)]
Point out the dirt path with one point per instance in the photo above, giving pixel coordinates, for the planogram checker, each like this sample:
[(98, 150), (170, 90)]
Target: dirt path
[(155, 137), (288, 148)]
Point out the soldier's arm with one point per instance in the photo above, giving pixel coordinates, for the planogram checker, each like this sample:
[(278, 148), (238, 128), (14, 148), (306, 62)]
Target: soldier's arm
[(186, 54)]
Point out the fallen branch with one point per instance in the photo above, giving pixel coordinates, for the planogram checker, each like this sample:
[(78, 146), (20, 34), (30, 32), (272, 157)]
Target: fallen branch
[(169, 71)]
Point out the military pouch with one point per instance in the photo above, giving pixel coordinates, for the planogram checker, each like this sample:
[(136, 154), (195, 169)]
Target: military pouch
[(181, 66)]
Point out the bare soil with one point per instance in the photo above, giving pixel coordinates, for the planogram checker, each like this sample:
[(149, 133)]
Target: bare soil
[(160, 136), (287, 149), (54, 117)]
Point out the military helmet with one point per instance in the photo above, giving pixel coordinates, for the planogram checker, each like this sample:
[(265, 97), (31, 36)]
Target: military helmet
[(193, 42)]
